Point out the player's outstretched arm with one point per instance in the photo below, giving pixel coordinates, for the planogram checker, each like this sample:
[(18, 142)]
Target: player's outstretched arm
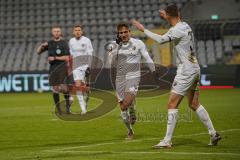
[(138, 25), (43, 47), (154, 36)]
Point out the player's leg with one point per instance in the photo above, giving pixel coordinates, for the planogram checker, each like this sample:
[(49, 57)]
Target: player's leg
[(53, 81), (62, 77), (64, 89), (132, 112), (78, 76), (56, 98), (193, 101), (126, 92), (80, 97), (174, 100), (128, 100), (87, 82), (132, 87)]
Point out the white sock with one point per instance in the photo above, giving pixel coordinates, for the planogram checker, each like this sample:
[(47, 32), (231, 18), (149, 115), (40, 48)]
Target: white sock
[(125, 118), (81, 101), (204, 117), (172, 120)]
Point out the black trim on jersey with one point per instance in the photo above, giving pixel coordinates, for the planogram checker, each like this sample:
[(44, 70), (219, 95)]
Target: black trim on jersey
[(169, 39)]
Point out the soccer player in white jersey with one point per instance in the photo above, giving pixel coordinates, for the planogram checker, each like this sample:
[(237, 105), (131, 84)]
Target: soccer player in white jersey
[(186, 81), (81, 50), (127, 58)]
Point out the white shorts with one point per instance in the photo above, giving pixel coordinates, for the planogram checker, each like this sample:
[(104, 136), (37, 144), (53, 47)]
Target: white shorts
[(79, 74), (126, 86), (185, 82)]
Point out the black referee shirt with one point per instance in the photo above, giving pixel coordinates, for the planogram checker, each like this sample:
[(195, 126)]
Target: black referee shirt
[(58, 48)]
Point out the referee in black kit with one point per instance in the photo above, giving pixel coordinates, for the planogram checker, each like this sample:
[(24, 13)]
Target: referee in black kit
[(58, 58)]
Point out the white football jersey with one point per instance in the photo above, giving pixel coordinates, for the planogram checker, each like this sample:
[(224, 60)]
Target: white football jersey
[(181, 36), (128, 59), (81, 50)]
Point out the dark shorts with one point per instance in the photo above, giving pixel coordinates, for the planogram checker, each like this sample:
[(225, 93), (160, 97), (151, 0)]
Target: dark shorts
[(58, 74)]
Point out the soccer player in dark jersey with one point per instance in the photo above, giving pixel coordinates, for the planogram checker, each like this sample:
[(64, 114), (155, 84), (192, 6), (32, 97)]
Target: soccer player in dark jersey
[(58, 58)]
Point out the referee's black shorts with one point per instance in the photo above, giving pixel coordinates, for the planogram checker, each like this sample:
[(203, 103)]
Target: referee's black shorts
[(58, 74)]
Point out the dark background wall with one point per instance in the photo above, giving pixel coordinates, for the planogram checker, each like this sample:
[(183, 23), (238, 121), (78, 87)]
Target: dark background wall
[(203, 9), (214, 75)]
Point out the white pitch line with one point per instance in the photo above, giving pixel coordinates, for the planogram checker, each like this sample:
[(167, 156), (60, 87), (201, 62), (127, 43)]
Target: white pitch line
[(90, 145), (203, 153), (151, 152), (137, 140)]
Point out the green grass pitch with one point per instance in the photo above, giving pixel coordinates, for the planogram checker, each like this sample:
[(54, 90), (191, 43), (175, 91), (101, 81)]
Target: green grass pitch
[(29, 130)]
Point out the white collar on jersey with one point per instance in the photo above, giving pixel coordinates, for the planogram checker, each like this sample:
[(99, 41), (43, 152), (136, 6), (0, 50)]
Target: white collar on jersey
[(78, 39)]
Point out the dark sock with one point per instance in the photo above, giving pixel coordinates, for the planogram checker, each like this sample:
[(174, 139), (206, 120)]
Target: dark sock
[(56, 99), (66, 96)]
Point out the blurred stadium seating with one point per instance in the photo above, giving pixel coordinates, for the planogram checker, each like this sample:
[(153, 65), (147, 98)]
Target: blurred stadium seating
[(26, 23)]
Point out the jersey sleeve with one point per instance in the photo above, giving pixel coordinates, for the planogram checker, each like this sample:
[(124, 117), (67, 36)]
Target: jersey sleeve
[(89, 48), (145, 55), (89, 52), (172, 34), (70, 47)]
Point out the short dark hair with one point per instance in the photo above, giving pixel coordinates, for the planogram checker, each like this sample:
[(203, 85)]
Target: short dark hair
[(172, 10), (122, 24), (56, 26), (78, 26)]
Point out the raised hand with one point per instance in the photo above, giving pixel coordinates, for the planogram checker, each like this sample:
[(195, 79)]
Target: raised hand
[(138, 25), (162, 14)]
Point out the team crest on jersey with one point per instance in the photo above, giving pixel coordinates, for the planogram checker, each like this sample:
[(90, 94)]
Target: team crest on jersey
[(83, 45), (133, 49)]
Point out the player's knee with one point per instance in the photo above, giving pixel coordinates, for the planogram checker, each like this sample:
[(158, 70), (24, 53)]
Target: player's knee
[(126, 103), (172, 105), (55, 89), (64, 89), (194, 105), (78, 83)]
